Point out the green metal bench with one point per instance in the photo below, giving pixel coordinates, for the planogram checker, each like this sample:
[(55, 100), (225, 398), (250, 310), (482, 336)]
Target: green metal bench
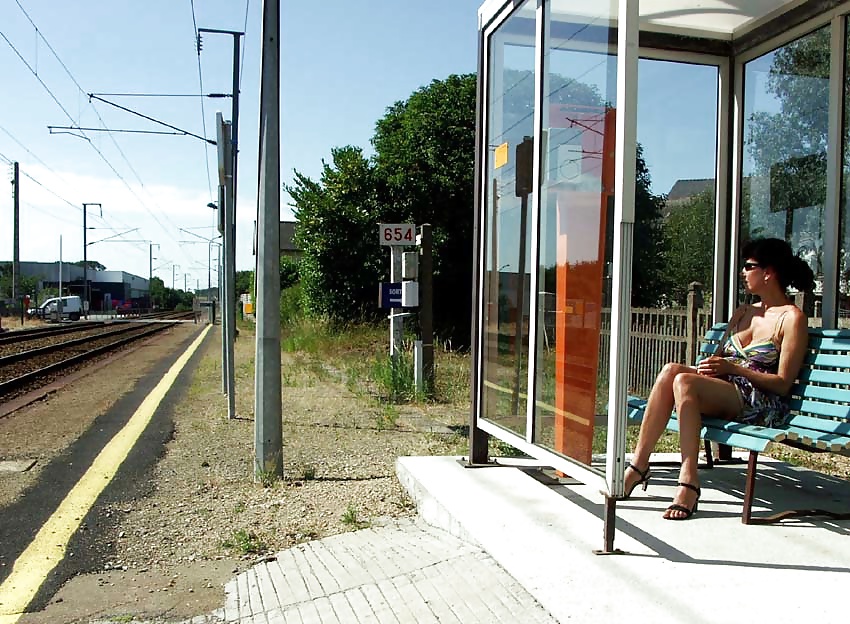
[(820, 421)]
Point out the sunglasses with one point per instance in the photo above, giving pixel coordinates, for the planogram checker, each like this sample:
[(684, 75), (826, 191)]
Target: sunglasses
[(749, 266)]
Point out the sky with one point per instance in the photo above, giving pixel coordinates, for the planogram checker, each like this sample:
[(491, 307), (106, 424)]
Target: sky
[(343, 63)]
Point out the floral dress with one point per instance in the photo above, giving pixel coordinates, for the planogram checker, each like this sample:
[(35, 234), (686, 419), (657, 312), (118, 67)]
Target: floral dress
[(757, 406)]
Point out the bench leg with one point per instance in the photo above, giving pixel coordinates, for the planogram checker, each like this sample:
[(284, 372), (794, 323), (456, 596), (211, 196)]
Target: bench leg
[(749, 491), (709, 456)]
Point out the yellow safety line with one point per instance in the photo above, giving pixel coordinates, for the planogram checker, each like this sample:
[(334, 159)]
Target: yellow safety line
[(549, 408), (50, 544)]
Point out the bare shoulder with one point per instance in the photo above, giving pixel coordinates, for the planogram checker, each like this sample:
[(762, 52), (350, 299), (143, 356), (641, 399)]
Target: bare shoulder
[(796, 322)]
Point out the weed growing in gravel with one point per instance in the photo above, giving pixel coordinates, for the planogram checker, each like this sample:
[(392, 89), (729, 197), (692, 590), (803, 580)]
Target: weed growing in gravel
[(266, 478), (394, 380), (387, 417), (350, 519), (239, 507), (308, 472), (244, 542)]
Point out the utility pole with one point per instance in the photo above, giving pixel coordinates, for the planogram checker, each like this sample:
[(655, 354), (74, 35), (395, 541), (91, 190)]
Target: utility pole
[(173, 273), (16, 244), (225, 193), (85, 258), (426, 306), (268, 428), (185, 275), (234, 111), (150, 274)]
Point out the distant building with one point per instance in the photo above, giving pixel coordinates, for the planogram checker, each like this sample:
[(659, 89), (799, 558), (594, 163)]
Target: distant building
[(107, 289)]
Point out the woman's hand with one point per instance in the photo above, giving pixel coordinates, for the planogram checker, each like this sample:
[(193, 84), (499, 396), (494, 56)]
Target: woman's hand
[(716, 366)]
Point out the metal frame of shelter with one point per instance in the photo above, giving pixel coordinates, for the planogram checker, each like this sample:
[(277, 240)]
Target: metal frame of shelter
[(724, 34)]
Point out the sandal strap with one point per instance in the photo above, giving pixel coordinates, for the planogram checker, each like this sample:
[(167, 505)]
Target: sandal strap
[(691, 487), (688, 512), (644, 474)]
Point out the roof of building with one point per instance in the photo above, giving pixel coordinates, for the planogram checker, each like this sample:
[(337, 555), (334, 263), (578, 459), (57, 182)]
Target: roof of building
[(684, 189)]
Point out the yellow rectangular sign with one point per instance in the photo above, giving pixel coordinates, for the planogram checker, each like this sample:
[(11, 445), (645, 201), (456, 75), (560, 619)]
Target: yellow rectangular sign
[(501, 155)]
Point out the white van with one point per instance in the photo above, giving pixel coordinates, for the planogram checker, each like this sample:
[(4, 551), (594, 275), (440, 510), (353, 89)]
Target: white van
[(72, 307)]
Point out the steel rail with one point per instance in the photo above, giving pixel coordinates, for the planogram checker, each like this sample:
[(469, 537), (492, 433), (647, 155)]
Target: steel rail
[(23, 355), (23, 335), (17, 382)]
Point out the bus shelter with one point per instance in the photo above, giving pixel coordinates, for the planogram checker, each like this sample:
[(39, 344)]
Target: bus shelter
[(569, 92)]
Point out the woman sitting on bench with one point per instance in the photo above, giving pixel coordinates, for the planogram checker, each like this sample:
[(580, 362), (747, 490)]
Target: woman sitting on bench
[(746, 382)]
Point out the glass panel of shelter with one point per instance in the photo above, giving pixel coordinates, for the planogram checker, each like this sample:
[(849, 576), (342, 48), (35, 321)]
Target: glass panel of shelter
[(510, 128), (785, 127), (575, 225), (576, 230)]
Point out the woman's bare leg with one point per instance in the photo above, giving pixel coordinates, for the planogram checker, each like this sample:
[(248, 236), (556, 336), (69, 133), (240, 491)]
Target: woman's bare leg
[(696, 395), (655, 417)]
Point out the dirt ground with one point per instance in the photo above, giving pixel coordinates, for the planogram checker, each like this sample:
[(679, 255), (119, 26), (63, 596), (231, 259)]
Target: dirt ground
[(206, 516)]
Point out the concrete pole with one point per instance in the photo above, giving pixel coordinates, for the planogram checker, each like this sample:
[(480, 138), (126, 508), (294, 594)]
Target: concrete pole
[(85, 257), (229, 275), (268, 428), (16, 236), (85, 264), (222, 294)]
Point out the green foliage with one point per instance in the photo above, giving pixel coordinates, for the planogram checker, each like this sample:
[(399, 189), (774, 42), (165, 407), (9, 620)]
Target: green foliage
[(289, 272), (244, 283), (788, 147), (337, 231), (94, 265), (424, 160), (690, 256), (26, 285), (350, 518), (394, 378), (244, 542), (650, 279), (291, 305)]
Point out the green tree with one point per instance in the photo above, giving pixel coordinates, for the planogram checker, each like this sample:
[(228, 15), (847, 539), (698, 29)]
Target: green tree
[(157, 292), (244, 282), (424, 160), (26, 285), (788, 148), (690, 256), (336, 230), (94, 265), (290, 273)]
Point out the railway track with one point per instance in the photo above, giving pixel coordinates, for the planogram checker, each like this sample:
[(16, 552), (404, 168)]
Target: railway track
[(36, 333), (27, 370)]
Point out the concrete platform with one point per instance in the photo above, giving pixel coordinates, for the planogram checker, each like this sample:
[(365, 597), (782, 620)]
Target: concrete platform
[(707, 569)]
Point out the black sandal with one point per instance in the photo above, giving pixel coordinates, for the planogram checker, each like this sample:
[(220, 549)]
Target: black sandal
[(688, 512), (644, 480)]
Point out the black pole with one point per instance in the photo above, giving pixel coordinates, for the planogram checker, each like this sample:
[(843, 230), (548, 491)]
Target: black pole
[(426, 313)]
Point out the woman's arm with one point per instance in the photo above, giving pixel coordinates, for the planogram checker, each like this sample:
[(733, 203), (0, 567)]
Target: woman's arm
[(792, 352)]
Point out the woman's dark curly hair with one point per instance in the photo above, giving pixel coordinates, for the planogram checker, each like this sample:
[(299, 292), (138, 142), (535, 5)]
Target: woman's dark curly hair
[(776, 253)]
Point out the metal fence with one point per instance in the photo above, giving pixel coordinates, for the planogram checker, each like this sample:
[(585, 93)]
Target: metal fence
[(658, 336)]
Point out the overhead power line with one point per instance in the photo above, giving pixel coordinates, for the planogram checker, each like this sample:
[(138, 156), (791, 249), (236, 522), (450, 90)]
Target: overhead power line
[(166, 95), (168, 231), (156, 121), (52, 128), (203, 111)]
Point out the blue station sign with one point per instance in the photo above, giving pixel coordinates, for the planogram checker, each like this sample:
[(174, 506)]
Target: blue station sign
[(389, 295)]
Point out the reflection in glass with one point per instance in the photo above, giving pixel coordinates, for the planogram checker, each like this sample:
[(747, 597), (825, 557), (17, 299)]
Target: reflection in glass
[(576, 210), (510, 130), (844, 258), (785, 144)]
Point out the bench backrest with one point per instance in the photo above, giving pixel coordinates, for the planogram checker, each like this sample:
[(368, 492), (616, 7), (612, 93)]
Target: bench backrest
[(822, 389)]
